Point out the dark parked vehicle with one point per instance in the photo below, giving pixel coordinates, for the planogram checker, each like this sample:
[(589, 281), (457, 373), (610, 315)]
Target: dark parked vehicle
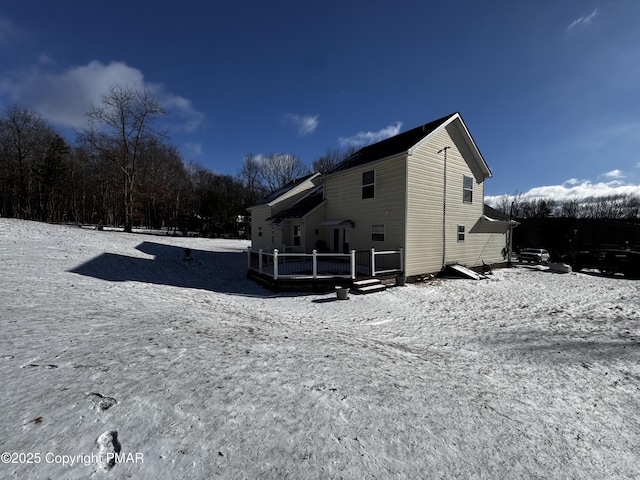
[(609, 261), (535, 255)]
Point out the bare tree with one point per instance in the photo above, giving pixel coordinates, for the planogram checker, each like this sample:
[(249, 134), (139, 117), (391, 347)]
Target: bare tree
[(251, 177), (162, 179), (25, 139), (331, 159), (119, 126), (511, 205), (278, 169)]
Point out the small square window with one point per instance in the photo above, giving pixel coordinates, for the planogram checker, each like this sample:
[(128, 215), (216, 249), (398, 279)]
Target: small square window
[(377, 233), (368, 184), (467, 189), (461, 233)]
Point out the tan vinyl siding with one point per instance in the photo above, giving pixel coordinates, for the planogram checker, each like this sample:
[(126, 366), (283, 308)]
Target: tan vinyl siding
[(424, 252), (259, 217), (425, 205), (343, 194), (312, 232), (260, 213)]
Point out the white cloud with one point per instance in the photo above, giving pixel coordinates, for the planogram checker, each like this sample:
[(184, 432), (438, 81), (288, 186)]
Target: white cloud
[(190, 119), (305, 124), (582, 21), (367, 138), (574, 189), (613, 174), (64, 98)]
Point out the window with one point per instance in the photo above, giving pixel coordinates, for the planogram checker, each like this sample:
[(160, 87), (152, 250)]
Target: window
[(467, 189), (368, 184), (297, 235), (461, 233), (377, 233)]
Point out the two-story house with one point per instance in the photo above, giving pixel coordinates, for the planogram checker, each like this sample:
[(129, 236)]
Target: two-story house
[(421, 190)]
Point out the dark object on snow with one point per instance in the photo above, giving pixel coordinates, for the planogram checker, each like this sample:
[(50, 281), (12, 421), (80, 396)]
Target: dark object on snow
[(608, 261)]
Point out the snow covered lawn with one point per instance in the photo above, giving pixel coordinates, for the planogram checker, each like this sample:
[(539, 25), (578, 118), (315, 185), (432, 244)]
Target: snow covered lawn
[(125, 343)]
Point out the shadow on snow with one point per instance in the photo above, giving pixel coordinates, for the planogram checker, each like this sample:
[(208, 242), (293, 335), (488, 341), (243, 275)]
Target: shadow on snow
[(223, 272)]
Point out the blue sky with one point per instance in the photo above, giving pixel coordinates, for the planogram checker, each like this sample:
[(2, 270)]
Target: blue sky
[(550, 90)]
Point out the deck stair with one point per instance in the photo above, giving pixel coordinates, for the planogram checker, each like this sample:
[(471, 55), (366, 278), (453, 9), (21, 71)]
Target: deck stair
[(369, 285)]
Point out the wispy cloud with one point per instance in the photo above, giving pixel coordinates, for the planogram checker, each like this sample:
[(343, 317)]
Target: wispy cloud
[(189, 119), (582, 22), (305, 124), (8, 30), (367, 138), (613, 174), (63, 98)]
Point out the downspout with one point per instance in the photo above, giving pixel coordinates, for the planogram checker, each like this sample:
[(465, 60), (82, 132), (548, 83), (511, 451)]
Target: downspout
[(444, 207)]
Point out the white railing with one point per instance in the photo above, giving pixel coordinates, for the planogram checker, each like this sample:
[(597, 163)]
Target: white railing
[(324, 265), (391, 261)]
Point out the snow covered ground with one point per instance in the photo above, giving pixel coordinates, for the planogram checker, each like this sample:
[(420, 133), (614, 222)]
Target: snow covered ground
[(122, 343)]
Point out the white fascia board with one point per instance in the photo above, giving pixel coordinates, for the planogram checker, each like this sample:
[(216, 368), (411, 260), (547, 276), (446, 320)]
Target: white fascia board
[(295, 189), (470, 141)]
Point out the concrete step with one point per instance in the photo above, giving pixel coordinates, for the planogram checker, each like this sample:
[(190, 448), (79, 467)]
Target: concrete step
[(371, 288), (366, 281)]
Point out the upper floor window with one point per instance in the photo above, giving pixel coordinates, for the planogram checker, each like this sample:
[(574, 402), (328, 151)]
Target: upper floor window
[(467, 189), (368, 184)]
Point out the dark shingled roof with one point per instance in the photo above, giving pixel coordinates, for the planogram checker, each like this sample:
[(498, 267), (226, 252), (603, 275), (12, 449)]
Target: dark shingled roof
[(495, 214), (301, 207), (391, 146)]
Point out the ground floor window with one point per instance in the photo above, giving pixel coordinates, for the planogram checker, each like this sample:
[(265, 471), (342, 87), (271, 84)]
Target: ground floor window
[(461, 233), (377, 232), (297, 235)]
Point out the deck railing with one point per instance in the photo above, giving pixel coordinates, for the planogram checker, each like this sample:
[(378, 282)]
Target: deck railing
[(324, 265)]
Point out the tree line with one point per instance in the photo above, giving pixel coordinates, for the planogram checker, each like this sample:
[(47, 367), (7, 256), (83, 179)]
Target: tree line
[(120, 170), (610, 207)]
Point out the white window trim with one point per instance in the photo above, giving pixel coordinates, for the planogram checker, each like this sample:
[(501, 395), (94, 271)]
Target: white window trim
[(380, 230), (372, 184), (465, 189)]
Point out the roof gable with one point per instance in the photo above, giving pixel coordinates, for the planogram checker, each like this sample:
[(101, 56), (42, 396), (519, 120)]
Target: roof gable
[(455, 121), (302, 207), (287, 190), (406, 142)]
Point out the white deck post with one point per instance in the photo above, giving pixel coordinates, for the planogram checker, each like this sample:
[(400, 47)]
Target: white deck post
[(314, 263), (260, 261), (275, 263), (401, 259), (373, 262), (353, 264)]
